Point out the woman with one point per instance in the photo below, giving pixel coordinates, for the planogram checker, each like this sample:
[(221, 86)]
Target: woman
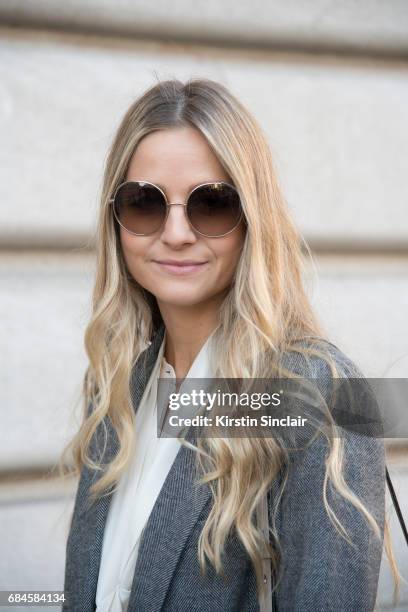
[(199, 274)]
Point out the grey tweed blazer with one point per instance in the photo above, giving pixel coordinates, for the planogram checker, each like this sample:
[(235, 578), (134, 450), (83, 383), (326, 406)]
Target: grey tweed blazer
[(321, 571)]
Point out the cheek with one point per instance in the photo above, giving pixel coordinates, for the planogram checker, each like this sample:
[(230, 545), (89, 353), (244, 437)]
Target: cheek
[(136, 246), (127, 241), (134, 249), (228, 251)]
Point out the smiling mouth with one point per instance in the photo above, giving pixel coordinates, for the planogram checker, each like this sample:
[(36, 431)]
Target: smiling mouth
[(180, 268)]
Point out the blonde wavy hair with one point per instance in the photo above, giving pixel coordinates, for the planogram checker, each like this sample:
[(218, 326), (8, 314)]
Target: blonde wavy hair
[(265, 313)]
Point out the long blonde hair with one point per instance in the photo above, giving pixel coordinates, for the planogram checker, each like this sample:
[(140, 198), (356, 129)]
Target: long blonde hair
[(265, 313)]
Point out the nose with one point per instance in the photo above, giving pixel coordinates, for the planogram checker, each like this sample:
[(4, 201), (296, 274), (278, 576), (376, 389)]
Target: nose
[(177, 230)]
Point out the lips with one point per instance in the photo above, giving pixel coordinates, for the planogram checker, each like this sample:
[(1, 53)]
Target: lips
[(175, 267), (184, 262)]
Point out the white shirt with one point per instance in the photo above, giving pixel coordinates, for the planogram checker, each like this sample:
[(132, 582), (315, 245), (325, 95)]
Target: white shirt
[(138, 488)]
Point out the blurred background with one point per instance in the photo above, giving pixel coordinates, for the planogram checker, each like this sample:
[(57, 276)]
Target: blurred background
[(328, 82)]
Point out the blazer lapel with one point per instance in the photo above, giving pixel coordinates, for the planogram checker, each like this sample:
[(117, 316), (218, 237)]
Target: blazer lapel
[(178, 506), (177, 509), (174, 514)]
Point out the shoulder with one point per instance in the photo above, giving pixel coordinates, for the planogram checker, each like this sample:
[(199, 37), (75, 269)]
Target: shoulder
[(319, 359), (336, 384), (315, 356)]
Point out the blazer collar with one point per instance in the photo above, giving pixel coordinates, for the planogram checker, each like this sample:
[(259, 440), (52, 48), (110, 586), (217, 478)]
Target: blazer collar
[(175, 512)]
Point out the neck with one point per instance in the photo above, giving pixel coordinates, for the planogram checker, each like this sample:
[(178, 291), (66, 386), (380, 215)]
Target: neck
[(187, 330)]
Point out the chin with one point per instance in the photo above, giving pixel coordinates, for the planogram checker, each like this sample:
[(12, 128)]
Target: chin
[(180, 299), (182, 295)]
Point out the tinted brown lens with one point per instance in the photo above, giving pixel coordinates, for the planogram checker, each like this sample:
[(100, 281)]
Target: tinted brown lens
[(214, 209), (140, 207)]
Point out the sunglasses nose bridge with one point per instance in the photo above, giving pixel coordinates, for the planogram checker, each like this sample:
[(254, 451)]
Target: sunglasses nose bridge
[(183, 213)]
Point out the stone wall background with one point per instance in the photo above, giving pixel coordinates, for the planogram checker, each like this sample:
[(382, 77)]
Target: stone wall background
[(328, 83)]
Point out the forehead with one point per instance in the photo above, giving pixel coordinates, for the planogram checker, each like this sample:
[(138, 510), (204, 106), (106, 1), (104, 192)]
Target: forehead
[(180, 153)]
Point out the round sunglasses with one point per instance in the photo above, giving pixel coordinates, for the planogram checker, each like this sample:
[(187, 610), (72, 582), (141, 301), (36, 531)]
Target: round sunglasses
[(212, 209)]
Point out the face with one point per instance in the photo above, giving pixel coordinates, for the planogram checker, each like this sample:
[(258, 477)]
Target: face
[(177, 160)]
